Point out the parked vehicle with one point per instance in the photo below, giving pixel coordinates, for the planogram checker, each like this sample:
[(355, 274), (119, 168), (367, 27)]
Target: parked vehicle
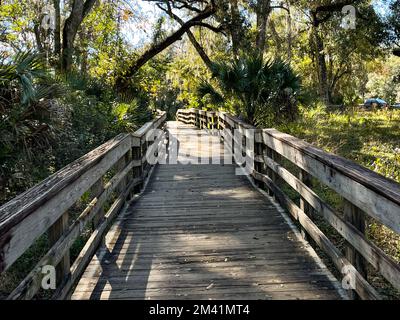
[(396, 106), (375, 103)]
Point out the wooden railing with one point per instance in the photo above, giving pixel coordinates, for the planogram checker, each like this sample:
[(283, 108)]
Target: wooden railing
[(363, 191), (44, 208)]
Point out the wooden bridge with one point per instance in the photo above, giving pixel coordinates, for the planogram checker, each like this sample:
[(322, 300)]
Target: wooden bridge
[(194, 225)]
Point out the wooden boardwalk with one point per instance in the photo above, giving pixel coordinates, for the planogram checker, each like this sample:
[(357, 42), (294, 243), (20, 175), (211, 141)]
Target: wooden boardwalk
[(202, 232)]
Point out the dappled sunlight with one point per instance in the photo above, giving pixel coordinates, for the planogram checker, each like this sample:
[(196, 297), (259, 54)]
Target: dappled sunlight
[(139, 155), (203, 232), (232, 193)]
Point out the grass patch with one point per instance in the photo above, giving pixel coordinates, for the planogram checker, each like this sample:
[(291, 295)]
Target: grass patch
[(370, 138)]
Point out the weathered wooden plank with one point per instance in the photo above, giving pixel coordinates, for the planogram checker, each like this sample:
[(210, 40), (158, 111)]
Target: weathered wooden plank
[(356, 218), (18, 238), (207, 295), (208, 220), (91, 245), (304, 205), (362, 287), (237, 285), (31, 284), (372, 253), (368, 190), (196, 282), (187, 263), (95, 191), (56, 231)]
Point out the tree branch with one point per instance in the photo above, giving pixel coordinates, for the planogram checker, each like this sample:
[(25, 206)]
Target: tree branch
[(159, 47), (192, 38), (329, 9), (280, 7)]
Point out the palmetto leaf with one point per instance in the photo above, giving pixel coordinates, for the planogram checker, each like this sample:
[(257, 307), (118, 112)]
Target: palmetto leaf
[(259, 85), (206, 89), (24, 70)]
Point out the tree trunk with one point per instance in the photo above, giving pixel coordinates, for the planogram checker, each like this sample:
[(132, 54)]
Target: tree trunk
[(203, 55), (328, 10), (79, 11), (57, 29), (121, 82), (36, 30), (207, 61), (321, 66), (235, 27), (289, 32), (83, 53), (263, 10)]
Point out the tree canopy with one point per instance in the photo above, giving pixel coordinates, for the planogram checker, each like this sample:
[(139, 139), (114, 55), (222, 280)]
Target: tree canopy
[(74, 73)]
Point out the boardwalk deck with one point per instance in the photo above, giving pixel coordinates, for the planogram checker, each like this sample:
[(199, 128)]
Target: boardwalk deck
[(202, 232)]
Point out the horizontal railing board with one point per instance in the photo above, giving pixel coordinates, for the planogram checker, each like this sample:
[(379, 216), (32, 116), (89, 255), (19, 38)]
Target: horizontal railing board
[(374, 255), (30, 285), (375, 194), (21, 236), (17, 209), (29, 215), (241, 122), (362, 287), (150, 125), (368, 190)]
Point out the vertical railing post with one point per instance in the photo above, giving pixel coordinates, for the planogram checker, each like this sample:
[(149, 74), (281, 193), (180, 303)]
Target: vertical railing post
[(129, 176), (356, 217), (200, 120), (55, 232), (258, 166), (95, 191), (304, 205), (144, 147), (137, 155), (270, 173), (119, 166)]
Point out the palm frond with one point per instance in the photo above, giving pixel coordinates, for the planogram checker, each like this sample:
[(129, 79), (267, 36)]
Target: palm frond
[(262, 87), (206, 89)]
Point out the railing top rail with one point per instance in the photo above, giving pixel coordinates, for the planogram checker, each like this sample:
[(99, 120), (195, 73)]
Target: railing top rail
[(240, 122), (151, 124), (378, 196), (17, 209), (372, 180), (364, 192)]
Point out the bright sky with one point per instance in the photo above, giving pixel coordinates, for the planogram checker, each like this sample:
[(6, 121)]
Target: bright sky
[(381, 6), (139, 29)]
